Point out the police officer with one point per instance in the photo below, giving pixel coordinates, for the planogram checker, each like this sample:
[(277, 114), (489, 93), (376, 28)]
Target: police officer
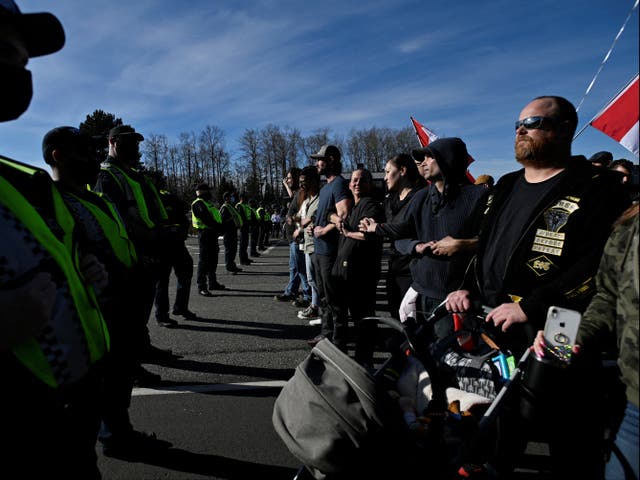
[(231, 222), (75, 164), (138, 202), (245, 213), (207, 221), (254, 229), (176, 258), (53, 336)]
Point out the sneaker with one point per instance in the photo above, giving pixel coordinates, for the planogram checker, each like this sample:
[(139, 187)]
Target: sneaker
[(217, 286), (188, 314), (301, 302), (315, 321), (205, 293), (284, 297), (167, 322), (309, 313), (133, 445)]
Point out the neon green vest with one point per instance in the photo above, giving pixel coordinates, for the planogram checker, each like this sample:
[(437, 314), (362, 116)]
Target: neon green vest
[(234, 214), (66, 257), (138, 195), (113, 229), (215, 213)]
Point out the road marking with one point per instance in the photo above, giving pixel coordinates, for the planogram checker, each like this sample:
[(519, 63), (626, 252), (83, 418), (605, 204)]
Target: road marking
[(214, 387)]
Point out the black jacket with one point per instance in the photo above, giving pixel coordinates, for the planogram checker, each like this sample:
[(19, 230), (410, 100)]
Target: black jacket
[(584, 203)]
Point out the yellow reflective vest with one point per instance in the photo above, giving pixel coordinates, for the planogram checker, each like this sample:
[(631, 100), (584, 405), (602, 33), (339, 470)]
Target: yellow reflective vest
[(215, 213), (64, 253)]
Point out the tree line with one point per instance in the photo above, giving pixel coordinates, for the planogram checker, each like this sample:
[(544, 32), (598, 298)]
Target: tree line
[(263, 157)]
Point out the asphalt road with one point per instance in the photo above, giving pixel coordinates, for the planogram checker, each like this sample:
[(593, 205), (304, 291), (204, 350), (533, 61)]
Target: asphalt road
[(214, 404)]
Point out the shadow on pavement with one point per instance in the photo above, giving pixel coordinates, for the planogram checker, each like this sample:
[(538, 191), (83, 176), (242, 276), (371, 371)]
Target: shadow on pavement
[(215, 465)]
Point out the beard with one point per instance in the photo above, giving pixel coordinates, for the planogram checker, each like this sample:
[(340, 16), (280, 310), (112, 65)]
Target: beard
[(536, 153)]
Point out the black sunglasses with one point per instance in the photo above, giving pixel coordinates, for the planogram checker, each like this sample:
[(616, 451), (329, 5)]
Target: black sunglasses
[(535, 123)]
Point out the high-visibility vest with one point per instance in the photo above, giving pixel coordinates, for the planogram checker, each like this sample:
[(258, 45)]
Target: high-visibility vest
[(133, 191), (65, 255), (112, 227), (265, 216), (215, 213), (234, 214), (260, 211), (246, 211)]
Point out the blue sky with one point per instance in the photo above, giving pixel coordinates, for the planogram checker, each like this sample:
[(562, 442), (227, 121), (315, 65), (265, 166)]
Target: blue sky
[(462, 68)]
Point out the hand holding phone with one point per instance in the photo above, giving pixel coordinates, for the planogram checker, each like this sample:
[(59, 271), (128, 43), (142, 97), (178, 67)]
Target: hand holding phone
[(560, 332)]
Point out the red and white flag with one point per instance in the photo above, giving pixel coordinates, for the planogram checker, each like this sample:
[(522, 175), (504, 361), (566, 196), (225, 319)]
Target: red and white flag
[(426, 136), (619, 118)]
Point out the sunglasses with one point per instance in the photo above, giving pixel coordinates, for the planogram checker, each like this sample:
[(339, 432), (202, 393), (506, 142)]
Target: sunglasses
[(536, 123)]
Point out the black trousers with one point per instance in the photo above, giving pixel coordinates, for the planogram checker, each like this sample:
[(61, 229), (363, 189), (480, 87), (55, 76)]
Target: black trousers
[(230, 241), (66, 420), (208, 260), (179, 260), (244, 243)]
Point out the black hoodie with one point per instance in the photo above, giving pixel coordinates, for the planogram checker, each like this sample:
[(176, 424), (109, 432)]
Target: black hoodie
[(433, 216)]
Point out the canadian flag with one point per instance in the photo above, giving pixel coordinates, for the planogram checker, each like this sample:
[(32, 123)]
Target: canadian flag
[(619, 118), (426, 136)]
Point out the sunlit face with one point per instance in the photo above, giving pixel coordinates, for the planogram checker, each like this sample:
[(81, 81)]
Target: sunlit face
[(537, 146), (359, 185), (624, 171), (321, 165), (430, 168), (392, 177)]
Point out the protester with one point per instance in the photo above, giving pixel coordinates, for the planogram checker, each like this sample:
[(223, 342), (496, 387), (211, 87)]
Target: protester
[(601, 159), (310, 185), (334, 197), (486, 181), (613, 314), (403, 180), (539, 246), (74, 165), (297, 269), (355, 274), (207, 221), (231, 222), (176, 258), (139, 205), (53, 337), (439, 225)]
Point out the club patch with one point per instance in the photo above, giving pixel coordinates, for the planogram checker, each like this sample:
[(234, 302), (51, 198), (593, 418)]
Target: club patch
[(541, 265)]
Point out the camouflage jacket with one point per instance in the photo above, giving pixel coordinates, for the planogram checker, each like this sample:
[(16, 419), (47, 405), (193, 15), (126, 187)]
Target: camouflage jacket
[(613, 311)]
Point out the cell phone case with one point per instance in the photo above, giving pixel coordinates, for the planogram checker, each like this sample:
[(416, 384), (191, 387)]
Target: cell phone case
[(561, 327)]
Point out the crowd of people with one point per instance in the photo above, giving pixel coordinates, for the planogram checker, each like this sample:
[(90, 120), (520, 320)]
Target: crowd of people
[(82, 269)]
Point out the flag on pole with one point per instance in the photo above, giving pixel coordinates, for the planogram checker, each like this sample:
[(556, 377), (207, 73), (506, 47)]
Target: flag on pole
[(426, 136), (619, 118)]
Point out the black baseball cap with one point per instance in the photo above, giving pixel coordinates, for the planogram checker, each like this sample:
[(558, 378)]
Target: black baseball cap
[(65, 138), (42, 33), (327, 151), (125, 130)]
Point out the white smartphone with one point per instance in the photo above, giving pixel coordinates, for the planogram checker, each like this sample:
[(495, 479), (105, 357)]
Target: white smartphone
[(561, 327)]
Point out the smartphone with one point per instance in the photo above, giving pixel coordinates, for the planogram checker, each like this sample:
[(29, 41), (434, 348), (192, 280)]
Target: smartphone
[(560, 332), (561, 327)]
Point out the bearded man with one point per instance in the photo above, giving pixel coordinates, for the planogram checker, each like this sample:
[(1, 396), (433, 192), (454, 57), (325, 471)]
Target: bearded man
[(540, 244)]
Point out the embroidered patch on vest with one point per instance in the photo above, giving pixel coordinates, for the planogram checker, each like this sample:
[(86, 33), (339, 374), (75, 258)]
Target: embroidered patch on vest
[(541, 265)]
